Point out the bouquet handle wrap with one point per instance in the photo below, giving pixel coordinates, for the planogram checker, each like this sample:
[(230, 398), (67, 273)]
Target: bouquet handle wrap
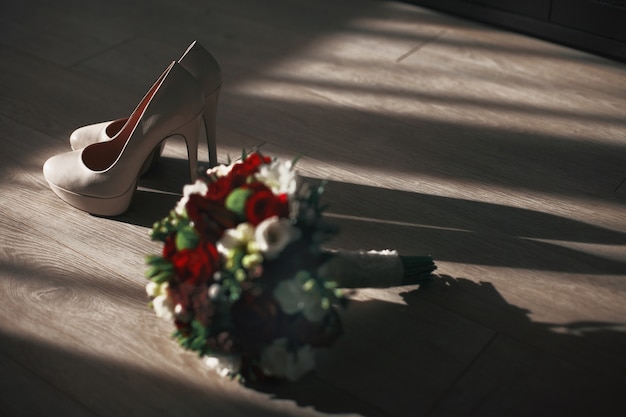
[(376, 269)]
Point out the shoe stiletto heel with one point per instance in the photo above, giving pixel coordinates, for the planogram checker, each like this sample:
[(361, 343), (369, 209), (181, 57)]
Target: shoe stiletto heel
[(191, 132), (210, 125), (205, 68), (101, 178)]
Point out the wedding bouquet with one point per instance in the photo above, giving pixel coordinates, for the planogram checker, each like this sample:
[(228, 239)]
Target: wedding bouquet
[(243, 277)]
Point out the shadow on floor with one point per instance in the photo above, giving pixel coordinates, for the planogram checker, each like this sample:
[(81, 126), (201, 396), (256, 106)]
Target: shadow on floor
[(415, 359), (427, 356), (450, 229)]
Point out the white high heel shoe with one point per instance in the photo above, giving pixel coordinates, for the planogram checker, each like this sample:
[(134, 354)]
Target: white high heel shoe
[(205, 68), (101, 178)]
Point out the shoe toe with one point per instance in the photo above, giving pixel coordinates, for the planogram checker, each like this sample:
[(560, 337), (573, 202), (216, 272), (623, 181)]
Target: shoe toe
[(63, 170)]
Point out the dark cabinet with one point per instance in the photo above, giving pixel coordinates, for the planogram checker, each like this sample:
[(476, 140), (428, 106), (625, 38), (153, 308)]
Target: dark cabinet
[(601, 17), (539, 9), (597, 26)]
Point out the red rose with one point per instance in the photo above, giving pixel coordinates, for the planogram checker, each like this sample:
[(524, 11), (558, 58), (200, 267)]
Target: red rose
[(240, 171), (264, 204), (210, 218), (169, 248), (254, 160), (219, 189), (196, 266)]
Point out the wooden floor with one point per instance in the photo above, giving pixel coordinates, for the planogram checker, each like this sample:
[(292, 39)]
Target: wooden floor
[(499, 154)]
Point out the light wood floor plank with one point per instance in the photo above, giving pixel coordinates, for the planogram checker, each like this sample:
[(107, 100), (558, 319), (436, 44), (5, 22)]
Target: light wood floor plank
[(499, 154)]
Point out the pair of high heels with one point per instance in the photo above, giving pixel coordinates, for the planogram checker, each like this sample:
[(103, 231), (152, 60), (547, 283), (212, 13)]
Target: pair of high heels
[(100, 174)]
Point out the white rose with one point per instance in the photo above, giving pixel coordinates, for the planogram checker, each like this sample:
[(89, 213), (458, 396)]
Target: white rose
[(277, 360), (272, 235), (280, 177)]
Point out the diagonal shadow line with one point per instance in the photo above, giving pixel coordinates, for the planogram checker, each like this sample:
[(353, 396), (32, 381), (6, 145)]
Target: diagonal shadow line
[(388, 205), (448, 228), (298, 30), (456, 100), (452, 150)]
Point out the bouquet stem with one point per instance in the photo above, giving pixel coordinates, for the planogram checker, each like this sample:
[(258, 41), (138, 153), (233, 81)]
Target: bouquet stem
[(417, 269), (376, 269)]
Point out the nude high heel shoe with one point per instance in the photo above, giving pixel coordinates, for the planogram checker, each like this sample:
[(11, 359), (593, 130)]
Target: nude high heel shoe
[(101, 178), (205, 68)]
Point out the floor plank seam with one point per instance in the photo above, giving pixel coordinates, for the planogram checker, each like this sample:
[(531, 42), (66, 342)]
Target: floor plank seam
[(461, 375), (74, 64), (357, 399), (578, 363), (421, 45)]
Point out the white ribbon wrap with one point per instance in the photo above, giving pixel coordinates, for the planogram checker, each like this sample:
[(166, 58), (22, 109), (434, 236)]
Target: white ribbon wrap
[(364, 269)]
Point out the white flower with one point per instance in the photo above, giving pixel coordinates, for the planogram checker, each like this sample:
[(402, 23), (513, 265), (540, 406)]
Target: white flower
[(278, 361), (219, 170), (279, 176), (199, 187), (164, 307), (224, 365), (272, 235), (293, 298), (153, 289), (235, 238), (162, 303)]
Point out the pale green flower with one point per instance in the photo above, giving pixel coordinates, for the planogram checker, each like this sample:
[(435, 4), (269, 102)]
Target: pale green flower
[(300, 294), (277, 360)]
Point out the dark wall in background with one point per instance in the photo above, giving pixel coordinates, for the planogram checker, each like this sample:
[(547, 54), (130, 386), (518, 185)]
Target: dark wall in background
[(597, 26)]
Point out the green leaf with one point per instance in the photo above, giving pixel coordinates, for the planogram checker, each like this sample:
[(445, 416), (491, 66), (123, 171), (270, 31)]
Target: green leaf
[(236, 201), (153, 271), (162, 277), (295, 160), (153, 259), (187, 238)]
